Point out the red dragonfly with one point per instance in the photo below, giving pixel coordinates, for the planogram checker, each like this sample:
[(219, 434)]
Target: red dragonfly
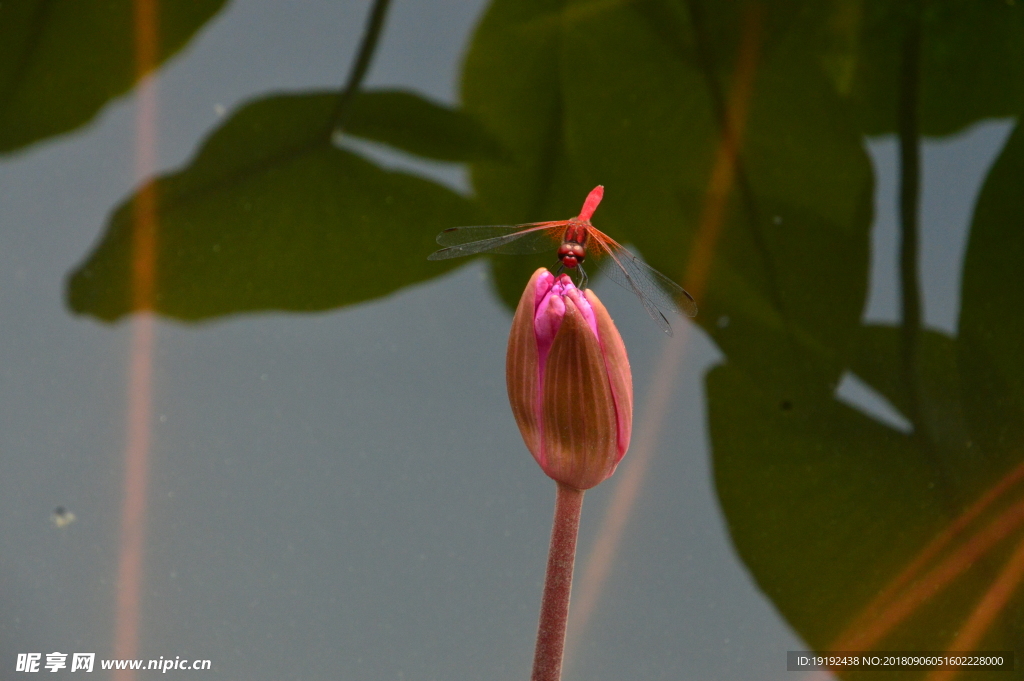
[(573, 237)]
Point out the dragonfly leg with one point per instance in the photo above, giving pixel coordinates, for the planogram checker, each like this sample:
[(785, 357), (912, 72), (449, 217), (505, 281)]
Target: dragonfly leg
[(584, 279)]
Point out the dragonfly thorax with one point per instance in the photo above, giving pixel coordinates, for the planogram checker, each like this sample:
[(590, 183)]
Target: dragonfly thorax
[(573, 249)]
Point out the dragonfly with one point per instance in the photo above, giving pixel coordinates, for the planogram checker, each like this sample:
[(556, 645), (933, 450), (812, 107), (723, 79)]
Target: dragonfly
[(574, 238)]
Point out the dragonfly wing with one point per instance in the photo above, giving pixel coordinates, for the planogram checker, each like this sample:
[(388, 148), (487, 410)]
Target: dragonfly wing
[(505, 239), (454, 236), (620, 277), (653, 288)]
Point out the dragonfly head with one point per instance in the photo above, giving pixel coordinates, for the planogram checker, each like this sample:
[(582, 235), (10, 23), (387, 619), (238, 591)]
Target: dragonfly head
[(571, 254)]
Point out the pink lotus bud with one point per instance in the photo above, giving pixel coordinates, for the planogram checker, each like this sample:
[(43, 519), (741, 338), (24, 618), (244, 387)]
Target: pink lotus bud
[(569, 381)]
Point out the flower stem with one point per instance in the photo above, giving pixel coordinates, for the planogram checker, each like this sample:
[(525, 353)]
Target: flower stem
[(554, 607)]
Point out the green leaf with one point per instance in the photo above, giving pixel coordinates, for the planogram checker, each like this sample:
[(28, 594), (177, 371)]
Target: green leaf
[(878, 357), (271, 216), (827, 508), (61, 61), (411, 123), (992, 316), (971, 63), (510, 83), (823, 504)]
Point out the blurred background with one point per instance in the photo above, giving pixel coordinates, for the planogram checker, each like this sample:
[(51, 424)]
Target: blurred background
[(245, 420)]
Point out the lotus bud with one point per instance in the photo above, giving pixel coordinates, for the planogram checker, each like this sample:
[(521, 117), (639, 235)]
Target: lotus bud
[(569, 381)]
